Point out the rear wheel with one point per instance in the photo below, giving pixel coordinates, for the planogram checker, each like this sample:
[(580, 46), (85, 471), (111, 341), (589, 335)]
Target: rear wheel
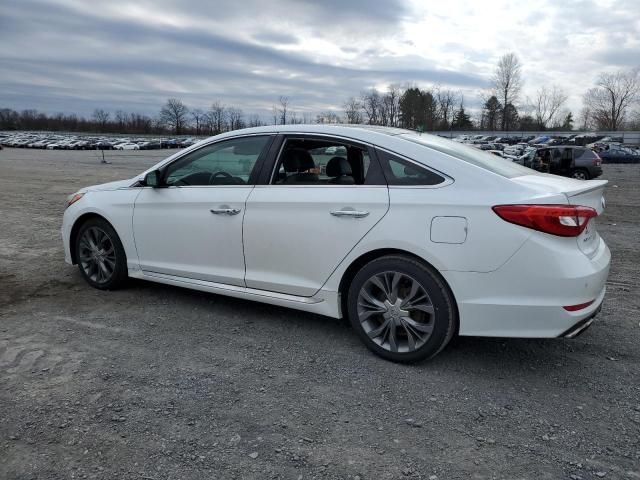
[(401, 309), (580, 174), (100, 255)]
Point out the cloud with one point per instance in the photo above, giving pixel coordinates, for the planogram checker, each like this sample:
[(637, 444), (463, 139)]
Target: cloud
[(68, 55)]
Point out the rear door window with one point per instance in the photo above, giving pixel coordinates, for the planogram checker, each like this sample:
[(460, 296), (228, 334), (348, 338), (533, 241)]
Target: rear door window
[(401, 172), (314, 161)]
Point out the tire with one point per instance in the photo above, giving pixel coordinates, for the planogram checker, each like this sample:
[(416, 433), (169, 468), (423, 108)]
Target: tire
[(104, 267), (404, 328), (580, 174)]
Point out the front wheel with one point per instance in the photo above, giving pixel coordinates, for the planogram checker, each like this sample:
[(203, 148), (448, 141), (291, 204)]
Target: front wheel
[(401, 309), (100, 255)]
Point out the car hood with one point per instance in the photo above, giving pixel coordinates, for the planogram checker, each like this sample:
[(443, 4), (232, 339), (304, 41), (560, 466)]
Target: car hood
[(111, 185)]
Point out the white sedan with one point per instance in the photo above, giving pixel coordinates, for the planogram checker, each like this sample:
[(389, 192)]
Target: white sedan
[(413, 237), (127, 146)]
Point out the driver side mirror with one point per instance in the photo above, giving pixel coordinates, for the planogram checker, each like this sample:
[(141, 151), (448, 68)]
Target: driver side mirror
[(154, 179)]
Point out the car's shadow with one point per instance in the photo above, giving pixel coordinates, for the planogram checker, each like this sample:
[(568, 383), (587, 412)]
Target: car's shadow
[(495, 357)]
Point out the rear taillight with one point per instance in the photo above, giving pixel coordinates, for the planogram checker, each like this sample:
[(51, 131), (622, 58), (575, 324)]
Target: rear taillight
[(561, 220), (597, 161)]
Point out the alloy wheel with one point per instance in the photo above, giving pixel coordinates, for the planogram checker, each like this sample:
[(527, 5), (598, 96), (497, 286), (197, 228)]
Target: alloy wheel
[(396, 312), (97, 255)]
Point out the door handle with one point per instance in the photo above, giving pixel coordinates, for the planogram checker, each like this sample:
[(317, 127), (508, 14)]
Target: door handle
[(225, 211), (349, 213)]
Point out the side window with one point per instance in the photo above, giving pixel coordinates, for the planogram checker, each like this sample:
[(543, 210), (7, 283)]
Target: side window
[(402, 172), (229, 162), (310, 161)]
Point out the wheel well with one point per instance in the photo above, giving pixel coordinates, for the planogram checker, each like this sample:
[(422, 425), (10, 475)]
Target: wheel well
[(362, 260), (74, 231)]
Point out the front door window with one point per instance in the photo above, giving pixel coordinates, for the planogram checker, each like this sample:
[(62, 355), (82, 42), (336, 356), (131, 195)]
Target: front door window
[(229, 162)]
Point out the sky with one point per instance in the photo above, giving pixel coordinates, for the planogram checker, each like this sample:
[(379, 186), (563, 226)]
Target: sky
[(74, 56)]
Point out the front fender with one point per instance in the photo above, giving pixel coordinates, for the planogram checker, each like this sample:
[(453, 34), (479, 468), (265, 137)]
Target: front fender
[(116, 207)]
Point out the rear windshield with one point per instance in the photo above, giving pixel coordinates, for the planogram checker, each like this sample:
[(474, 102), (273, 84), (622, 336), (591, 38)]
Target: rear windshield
[(493, 163)]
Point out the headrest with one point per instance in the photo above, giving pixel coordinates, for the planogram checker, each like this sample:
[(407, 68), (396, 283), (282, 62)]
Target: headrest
[(297, 160), (338, 166)]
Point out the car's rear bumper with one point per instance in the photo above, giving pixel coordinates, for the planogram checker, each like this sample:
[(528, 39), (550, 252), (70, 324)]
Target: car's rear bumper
[(595, 171), (526, 296)]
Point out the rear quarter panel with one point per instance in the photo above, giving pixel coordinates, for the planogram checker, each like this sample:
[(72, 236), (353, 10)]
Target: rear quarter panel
[(490, 241)]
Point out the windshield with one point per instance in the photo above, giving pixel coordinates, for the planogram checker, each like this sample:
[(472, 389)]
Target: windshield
[(500, 166)]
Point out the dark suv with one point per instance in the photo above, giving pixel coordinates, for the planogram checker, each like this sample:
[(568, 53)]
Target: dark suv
[(575, 162)]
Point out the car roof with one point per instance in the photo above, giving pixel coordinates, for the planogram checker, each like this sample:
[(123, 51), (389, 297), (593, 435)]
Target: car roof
[(363, 132)]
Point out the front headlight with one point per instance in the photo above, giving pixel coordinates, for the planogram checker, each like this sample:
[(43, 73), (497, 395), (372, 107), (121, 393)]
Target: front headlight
[(73, 198)]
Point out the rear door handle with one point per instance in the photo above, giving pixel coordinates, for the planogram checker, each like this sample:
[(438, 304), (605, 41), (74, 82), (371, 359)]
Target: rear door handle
[(225, 211), (349, 213)]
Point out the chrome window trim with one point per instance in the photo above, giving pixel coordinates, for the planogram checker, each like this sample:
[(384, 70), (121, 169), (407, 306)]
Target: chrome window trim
[(448, 179)]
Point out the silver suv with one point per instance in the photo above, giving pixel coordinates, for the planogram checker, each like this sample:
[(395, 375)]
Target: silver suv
[(576, 162)]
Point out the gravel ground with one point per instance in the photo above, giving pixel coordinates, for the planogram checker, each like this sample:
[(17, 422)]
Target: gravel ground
[(156, 382)]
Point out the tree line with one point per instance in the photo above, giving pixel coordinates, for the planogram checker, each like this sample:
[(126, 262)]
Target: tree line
[(612, 104)]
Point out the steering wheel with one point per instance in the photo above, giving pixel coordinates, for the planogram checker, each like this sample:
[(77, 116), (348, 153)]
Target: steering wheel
[(215, 175)]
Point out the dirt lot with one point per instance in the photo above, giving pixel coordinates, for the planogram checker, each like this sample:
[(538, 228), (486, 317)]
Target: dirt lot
[(155, 382)]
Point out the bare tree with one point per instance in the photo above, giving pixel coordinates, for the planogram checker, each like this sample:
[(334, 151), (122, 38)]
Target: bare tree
[(547, 104), (174, 115), (294, 119), (327, 117), (390, 111), (585, 118), (353, 110), (284, 105), (610, 100), (447, 101), (507, 83), (101, 118), (371, 104), (254, 121), (234, 116), (121, 120), (217, 116), (198, 117)]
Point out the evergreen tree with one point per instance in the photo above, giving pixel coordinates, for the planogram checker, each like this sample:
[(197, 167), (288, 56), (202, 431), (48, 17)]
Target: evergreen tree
[(568, 122), (511, 119), (461, 121), (491, 113)]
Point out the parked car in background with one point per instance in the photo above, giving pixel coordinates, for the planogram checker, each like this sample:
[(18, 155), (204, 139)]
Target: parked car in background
[(577, 162), (413, 237), (497, 153), (127, 146), (169, 143), (620, 155), (604, 141), (517, 149)]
